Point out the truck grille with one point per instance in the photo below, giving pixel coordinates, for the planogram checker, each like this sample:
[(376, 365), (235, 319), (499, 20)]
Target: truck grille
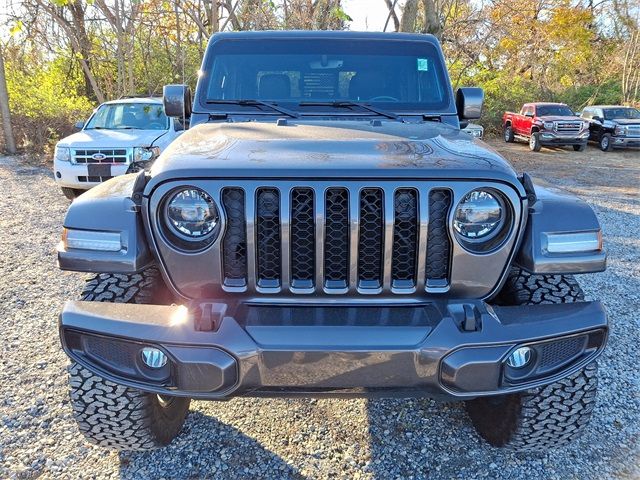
[(632, 130), (102, 155), (568, 128), (335, 239)]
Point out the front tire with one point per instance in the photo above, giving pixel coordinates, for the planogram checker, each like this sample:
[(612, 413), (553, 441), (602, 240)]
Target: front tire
[(534, 142), (544, 417), (605, 142), (123, 418), (538, 419), (508, 134), (71, 193), (113, 415)]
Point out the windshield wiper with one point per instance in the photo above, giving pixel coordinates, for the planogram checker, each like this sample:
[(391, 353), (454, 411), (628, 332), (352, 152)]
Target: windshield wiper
[(349, 104), (254, 103)]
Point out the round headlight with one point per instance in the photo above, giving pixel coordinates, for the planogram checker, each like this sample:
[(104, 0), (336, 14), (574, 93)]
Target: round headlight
[(192, 213), (548, 125), (479, 215)]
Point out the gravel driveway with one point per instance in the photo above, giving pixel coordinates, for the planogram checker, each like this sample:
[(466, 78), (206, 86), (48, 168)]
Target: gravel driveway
[(249, 438)]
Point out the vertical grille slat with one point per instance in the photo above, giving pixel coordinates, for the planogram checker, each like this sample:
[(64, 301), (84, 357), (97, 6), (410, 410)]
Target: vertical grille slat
[(336, 242), (371, 238), (234, 257), (268, 247), (405, 238), (438, 241), (303, 240), (336, 239)]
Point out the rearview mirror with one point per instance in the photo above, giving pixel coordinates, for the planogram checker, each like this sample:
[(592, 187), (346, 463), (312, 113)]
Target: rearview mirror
[(79, 125), (469, 103), (177, 101)]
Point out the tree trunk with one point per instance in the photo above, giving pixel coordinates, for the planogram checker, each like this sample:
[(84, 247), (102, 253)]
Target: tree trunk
[(9, 141), (431, 21), (409, 16)]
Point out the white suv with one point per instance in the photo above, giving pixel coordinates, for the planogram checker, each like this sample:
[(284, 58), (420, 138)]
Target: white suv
[(120, 136)]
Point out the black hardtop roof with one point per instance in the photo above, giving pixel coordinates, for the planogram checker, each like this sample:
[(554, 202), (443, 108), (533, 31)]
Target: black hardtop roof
[(327, 34)]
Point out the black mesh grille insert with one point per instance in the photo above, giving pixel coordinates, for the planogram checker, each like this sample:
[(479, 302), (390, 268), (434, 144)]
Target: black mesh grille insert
[(554, 354), (405, 238), (303, 249), (371, 239), (268, 237), (235, 239), (438, 242), (336, 247)]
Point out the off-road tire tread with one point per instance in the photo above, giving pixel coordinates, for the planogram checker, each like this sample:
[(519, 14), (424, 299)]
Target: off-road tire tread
[(524, 288), (549, 417), (142, 288), (119, 417), (545, 417), (113, 415)]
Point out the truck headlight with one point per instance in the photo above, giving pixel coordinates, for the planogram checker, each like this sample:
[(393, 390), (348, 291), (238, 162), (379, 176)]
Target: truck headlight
[(145, 154), (478, 215), (620, 130), (192, 214), (62, 154), (548, 125)]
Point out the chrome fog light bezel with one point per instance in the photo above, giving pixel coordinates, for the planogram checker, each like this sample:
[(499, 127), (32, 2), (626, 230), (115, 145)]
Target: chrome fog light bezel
[(520, 357), (153, 357)]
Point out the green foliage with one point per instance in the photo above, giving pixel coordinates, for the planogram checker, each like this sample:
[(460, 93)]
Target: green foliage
[(45, 102)]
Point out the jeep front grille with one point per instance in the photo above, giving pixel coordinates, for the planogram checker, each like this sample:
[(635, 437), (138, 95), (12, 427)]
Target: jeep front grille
[(101, 155), (568, 128), (336, 239)]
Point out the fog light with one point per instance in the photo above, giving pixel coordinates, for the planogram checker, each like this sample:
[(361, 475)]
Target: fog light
[(153, 357), (520, 357)]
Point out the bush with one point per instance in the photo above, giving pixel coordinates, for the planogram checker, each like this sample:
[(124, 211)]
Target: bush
[(44, 104)]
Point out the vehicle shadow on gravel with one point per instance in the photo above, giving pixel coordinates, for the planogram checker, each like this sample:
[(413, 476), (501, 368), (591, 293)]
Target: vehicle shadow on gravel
[(422, 438), (208, 448)]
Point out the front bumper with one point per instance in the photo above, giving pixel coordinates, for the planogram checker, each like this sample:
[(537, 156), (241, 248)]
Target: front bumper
[(451, 350), (622, 142), (553, 138), (73, 175)]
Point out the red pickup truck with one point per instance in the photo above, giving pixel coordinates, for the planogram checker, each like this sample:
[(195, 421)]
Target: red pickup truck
[(546, 124)]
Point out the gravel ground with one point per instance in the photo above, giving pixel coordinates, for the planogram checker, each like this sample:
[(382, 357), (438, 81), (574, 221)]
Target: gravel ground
[(250, 438)]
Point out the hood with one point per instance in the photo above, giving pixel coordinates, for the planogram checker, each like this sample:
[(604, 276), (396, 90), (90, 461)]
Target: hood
[(330, 149), (111, 138), (626, 121), (560, 118)]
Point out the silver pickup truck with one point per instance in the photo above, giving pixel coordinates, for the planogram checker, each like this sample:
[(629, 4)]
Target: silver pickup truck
[(324, 228)]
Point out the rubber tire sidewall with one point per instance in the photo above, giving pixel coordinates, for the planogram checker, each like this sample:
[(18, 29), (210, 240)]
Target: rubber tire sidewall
[(534, 142), (508, 135), (606, 138)]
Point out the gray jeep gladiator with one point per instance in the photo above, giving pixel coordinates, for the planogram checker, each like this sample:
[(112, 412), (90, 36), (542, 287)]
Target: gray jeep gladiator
[(325, 229)]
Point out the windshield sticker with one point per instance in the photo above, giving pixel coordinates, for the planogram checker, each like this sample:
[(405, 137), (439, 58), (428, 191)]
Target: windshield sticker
[(423, 65)]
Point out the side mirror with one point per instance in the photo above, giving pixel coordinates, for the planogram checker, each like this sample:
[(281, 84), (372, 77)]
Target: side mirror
[(597, 119), (469, 103), (529, 114), (79, 125), (177, 101)]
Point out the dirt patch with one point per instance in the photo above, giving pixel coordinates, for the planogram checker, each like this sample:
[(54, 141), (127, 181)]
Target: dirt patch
[(617, 171)]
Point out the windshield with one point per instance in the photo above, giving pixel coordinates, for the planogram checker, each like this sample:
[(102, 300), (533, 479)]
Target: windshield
[(393, 75), (554, 110), (125, 116), (621, 113)]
